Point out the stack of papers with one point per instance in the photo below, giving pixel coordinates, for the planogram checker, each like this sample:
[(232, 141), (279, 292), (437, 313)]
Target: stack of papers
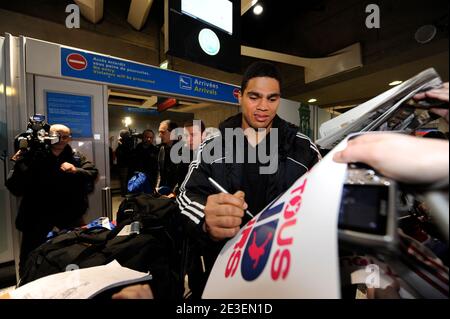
[(385, 112)]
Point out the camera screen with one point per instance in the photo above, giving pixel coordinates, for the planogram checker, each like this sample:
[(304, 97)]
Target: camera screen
[(364, 208)]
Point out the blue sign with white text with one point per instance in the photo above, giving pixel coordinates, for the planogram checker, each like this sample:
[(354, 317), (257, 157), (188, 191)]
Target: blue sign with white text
[(71, 110), (106, 69)]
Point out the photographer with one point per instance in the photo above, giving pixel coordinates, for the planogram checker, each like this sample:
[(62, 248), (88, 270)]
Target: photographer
[(54, 182)]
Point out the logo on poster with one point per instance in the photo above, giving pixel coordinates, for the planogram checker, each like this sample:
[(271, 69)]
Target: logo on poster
[(257, 251), (255, 243)]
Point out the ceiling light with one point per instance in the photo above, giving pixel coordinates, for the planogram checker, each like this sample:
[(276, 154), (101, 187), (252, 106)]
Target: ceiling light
[(394, 83), (127, 121), (312, 100), (425, 33), (10, 91), (209, 41), (258, 9)]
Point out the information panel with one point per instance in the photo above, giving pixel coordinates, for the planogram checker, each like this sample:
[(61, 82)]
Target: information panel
[(71, 110), (85, 65)]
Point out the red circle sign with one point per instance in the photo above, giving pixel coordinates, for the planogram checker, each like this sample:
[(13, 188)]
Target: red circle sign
[(236, 93), (76, 61)]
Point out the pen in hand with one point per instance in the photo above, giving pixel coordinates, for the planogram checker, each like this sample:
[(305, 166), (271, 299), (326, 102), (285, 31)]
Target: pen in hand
[(223, 190)]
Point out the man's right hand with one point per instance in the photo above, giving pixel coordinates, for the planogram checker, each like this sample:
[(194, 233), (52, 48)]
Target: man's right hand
[(223, 215)]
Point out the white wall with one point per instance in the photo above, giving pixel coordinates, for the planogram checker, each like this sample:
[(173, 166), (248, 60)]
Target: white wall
[(213, 115), (288, 111)]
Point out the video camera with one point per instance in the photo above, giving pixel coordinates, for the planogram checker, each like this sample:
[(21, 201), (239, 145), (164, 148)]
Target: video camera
[(130, 138), (36, 137)]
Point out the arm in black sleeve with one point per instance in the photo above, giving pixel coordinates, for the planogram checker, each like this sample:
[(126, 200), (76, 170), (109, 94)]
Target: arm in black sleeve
[(309, 154), (20, 177), (193, 194)]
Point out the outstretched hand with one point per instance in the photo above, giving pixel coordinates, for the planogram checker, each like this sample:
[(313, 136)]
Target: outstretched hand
[(404, 158)]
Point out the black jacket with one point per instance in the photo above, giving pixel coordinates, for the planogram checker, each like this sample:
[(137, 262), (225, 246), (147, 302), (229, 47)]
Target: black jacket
[(168, 170), (296, 155), (145, 159), (51, 197)]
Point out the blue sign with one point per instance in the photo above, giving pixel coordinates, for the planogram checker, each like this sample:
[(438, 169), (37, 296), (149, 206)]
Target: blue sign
[(71, 110), (84, 65)]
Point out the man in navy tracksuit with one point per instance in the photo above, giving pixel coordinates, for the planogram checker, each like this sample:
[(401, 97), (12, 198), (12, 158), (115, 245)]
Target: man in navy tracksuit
[(211, 218)]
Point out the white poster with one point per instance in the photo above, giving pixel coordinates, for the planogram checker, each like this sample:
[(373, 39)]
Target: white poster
[(290, 249)]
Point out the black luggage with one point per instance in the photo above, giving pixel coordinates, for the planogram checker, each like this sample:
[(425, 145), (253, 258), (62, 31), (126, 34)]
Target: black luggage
[(156, 248)]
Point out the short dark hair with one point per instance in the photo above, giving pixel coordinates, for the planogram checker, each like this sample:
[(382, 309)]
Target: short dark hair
[(148, 130), (170, 125), (260, 69), (124, 133), (191, 123)]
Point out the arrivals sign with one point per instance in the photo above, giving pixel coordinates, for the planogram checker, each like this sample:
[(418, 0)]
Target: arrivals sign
[(101, 68), (290, 249)]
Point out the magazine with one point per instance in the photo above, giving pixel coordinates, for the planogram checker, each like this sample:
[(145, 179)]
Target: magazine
[(392, 110)]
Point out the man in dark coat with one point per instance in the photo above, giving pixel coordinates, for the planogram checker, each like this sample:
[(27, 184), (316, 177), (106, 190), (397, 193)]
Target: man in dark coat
[(54, 183), (167, 168), (146, 158)]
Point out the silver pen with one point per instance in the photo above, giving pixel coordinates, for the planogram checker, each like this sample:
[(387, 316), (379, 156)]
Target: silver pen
[(223, 190)]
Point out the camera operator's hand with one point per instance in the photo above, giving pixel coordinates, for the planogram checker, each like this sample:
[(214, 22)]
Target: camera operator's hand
[(68, 168), (405, 158), (18, 156)]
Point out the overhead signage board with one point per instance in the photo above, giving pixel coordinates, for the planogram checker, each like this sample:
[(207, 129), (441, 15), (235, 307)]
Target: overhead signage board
[(95, 67)]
